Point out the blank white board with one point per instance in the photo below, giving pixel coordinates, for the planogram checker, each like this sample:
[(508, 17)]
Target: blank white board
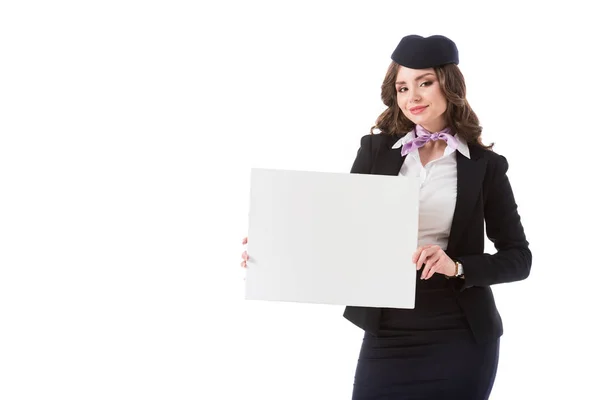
[(332, 238)]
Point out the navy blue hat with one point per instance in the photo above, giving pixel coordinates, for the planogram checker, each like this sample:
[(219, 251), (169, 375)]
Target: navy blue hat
[(420, 52)]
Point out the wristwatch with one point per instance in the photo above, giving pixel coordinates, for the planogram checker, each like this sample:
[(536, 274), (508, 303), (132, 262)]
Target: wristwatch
[(459, 269)]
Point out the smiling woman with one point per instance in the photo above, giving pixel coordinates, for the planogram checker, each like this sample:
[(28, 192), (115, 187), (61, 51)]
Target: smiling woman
[(447, 347)]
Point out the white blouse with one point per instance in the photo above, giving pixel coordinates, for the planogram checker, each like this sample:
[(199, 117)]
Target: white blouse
[(437, 197)]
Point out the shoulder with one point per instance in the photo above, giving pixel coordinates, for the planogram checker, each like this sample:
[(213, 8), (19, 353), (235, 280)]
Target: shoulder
[(378, 140), (492, 158), (496, 165)]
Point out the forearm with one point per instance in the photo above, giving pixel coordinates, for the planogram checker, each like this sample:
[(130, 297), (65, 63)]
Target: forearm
[(508, 265)]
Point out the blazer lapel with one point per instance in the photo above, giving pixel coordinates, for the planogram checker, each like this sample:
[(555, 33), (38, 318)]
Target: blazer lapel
[(470, 173), (388, 161)]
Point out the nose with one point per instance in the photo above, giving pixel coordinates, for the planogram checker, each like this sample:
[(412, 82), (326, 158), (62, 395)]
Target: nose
[(414, 97)]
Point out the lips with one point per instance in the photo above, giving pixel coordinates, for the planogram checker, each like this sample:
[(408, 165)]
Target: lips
[(417, 110)]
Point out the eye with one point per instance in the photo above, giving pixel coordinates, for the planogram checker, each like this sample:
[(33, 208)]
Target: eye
[(402, 90), (426, 83)]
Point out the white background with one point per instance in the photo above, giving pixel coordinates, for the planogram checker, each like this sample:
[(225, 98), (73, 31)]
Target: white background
[(128, 130)]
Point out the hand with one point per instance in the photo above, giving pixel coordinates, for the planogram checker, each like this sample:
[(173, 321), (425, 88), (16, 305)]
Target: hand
[(245, 253), (435, 260)]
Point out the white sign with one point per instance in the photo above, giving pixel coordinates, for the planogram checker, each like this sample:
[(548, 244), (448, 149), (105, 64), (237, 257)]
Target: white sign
[(332, 238)]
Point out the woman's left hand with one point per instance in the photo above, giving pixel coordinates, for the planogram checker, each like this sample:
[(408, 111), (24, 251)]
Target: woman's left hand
[(435, 260)]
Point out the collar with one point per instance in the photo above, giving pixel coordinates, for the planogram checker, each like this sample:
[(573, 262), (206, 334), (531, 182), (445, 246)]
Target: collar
[(463, 147)]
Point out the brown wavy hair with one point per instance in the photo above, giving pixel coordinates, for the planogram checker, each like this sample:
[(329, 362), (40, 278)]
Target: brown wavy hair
[(459, 115)]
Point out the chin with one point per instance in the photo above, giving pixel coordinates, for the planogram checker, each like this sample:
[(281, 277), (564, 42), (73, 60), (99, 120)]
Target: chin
[(421, 121), (427, 121)]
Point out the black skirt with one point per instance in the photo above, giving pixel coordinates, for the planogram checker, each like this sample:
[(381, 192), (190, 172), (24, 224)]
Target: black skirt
[(426, 353)]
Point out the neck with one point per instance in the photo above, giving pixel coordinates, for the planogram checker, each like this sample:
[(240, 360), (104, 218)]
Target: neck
[(438, 145), (433, 127)]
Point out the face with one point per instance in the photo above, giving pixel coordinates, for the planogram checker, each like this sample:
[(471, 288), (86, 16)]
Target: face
[(420, 97)]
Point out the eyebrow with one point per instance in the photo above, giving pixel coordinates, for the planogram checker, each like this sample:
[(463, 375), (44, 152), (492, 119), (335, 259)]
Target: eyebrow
[(416, 79)]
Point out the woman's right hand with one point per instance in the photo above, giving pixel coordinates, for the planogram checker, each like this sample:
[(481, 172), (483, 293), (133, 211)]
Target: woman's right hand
[(245, 253)]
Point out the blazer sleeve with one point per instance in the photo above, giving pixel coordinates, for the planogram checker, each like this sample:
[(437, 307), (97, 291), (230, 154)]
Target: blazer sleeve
[(512, 261), (364, 158)]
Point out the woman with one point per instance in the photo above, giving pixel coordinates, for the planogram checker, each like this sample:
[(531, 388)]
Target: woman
[(447, 346)]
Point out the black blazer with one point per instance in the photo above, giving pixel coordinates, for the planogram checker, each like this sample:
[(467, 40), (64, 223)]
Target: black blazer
[(483, 194)]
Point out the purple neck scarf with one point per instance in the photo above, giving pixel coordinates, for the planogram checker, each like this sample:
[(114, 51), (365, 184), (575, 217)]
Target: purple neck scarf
[(423, 136)]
